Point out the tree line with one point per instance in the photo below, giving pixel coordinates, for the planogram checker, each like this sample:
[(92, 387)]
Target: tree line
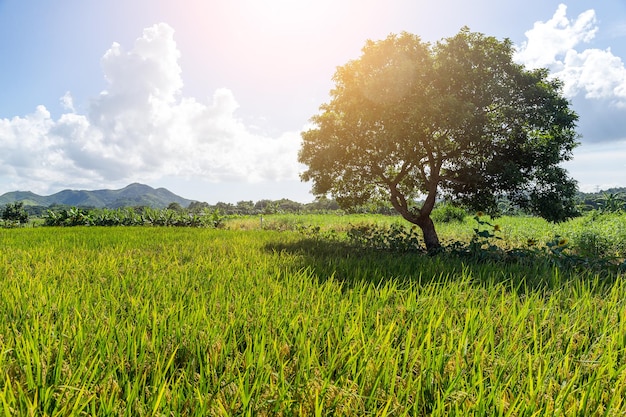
[(205, 214), (198, 214)]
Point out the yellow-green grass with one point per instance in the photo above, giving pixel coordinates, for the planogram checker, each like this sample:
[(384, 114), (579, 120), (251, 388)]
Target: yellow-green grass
[(177, 321), (590, 235)]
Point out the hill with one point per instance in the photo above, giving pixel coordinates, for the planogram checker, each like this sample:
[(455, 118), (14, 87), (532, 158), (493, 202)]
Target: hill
[(132, 195)]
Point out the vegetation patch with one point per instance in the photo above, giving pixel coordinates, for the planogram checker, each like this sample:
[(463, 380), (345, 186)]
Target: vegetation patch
[(205, 321)]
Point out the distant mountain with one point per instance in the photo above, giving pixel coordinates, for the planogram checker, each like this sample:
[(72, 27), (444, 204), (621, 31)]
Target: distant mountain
[(132, 195)]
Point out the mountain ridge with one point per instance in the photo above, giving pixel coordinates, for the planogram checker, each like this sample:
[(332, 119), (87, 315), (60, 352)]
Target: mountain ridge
[(134, 194)]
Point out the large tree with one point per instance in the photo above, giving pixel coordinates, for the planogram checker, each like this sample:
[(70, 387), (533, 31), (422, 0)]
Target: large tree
[(411, 121)]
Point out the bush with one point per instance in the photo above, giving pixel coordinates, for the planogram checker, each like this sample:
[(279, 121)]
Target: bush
[(395, 237), (446, 213)]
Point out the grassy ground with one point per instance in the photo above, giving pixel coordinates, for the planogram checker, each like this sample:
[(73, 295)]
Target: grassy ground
[(593, 235), (252, 321)]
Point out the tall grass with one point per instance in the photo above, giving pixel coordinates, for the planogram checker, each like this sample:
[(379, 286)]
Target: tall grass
[(155, 321)]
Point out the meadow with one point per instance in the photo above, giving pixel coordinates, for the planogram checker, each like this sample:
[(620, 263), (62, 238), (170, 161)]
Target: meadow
[(287, 316)]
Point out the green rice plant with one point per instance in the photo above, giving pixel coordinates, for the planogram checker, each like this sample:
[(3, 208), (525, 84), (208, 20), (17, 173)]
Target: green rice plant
[(600, 235), (590, 243), (204, 321)]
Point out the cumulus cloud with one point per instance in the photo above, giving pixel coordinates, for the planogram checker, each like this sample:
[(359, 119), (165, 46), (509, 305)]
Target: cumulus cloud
[(556, 43), (140, 128), (547, 41)]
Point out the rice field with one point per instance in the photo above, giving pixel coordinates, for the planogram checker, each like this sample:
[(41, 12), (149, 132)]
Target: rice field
[(260, 318)]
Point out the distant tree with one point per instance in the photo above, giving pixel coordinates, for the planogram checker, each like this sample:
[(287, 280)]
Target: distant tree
[(322, 203), (224, 208), (409, 120), (15, 212), (35, 211), (289, 206), (245, 207), (140, 209), (266, 206), (197, 206), (175, 207)]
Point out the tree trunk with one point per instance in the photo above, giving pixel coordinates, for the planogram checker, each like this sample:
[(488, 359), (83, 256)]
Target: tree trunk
[(428, 231), (422, 219)]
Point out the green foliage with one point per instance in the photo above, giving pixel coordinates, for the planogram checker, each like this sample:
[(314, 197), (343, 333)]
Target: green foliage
[(482, 247), (146, 216), (590, 243), (612, 203), (611, 200), (600, 234), (600, 247), (265, 206), (175, 207), (67, 217), (216, 219), (394, 237), (14, 214), (242, 208), (459, 117), (446, 213)]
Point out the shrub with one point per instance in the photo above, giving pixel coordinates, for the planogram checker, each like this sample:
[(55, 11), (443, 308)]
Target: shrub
[(446, 212), (395, 237)]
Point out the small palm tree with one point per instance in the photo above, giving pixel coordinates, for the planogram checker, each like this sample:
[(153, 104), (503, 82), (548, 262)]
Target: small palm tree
[(612, 202)]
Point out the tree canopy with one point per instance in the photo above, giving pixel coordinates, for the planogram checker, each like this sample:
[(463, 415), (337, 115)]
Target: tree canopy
[(14, 212), (410, 121)]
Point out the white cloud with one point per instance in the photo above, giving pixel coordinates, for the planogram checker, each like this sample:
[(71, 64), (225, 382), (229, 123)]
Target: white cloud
[(67, 102), (142, 128), (549, 40), (28, 134), (596, 73)]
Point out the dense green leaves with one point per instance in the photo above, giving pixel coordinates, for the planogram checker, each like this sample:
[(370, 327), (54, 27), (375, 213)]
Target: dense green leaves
[(132, 217), (14, 213), (458, 118)]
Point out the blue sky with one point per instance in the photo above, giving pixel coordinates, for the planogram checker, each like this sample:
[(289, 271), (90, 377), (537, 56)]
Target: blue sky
[(207, 97)]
